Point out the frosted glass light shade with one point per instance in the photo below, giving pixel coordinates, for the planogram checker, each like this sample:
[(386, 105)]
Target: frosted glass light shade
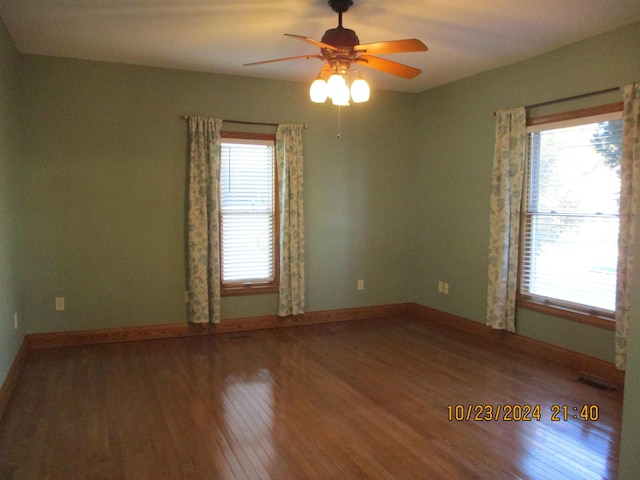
[(360, 91), (341, 96), (335, 84), (319, 91)]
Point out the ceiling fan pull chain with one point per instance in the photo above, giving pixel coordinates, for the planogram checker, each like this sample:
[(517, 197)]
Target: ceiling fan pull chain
[(339, 123)]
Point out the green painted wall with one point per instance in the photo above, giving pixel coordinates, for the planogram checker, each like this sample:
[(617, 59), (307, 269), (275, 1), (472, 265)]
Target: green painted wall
[(454, 171), (104, 199), (10, 338), (630, 439)]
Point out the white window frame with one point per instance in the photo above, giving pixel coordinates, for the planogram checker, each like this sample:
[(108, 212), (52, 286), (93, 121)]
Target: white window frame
[(252, 285)]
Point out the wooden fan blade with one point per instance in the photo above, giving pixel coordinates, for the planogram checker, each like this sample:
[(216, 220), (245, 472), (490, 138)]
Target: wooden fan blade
[(282, 60), (394, 68), (393, 46), (316, 43)]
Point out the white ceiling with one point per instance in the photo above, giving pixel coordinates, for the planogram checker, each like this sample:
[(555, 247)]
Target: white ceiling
[(464, 37)]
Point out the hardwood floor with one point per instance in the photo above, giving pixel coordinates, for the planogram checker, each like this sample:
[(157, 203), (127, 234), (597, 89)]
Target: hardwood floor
[(359, 400)]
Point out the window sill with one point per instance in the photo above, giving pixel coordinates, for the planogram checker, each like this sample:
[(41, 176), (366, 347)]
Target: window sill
[(251, 289), (599, 321)]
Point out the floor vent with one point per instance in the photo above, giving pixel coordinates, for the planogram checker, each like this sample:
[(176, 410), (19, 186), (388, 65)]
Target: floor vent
[(239, 336), (596, 382)]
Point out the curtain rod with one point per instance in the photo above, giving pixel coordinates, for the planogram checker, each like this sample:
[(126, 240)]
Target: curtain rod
[(243, 122), (566, 99)]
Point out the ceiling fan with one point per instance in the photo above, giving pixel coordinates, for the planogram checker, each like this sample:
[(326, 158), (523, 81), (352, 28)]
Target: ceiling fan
[(341, 50)]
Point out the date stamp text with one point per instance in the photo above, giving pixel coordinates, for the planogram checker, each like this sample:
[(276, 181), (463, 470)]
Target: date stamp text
[(521, 413)]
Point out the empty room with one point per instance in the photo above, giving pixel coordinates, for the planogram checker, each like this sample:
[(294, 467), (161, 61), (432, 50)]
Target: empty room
[(315, 239)]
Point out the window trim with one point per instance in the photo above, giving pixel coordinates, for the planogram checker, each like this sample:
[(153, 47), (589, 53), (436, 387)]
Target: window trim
[(255, 288), (587, 315)]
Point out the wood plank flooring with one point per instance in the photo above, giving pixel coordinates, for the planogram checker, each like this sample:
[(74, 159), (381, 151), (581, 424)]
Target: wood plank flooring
[(359, 400)]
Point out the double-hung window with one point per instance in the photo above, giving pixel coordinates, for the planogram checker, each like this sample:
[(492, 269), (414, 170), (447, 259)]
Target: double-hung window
[(248, 214), (569, 234)]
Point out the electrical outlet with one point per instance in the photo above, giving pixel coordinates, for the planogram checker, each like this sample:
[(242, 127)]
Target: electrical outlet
[(59, 303), (440, 286), (445, 288), (360, 284)]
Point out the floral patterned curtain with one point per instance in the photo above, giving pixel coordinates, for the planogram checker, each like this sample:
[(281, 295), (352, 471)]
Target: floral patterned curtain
[(506, 195), (202, 219), (628, 210), (290, 177)]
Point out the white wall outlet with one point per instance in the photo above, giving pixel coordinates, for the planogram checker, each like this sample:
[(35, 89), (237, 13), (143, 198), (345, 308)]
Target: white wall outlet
[(440, 286), (59, 303), (445, 288), (15, 320), (360, 284)]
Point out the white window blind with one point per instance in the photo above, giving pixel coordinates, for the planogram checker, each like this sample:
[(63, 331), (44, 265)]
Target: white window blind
[(570, 217), (247, 211)]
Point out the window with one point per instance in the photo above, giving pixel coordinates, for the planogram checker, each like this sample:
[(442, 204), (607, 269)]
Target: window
[(248, 218), (569, 239)]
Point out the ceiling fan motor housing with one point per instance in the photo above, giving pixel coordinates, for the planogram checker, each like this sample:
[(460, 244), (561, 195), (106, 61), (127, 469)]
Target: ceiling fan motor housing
[(341, 37), (344, 40)]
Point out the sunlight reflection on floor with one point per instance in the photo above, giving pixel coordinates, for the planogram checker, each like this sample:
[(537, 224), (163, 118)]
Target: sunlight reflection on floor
[(251, 394)]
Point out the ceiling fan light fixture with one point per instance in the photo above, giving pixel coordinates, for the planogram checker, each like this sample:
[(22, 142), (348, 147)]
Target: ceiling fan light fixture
[(319, 91), (338, 90), (360, 91), (341, 51)]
